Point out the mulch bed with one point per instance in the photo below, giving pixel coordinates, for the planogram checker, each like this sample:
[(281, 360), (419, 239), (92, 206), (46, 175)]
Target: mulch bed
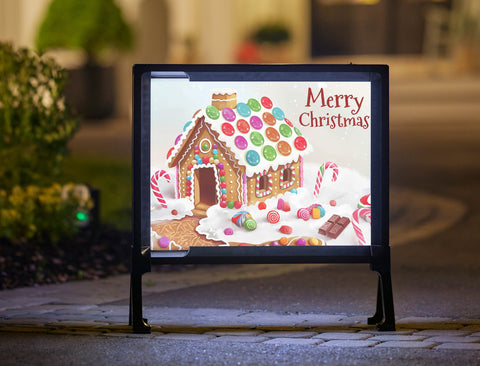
[(86, 256)]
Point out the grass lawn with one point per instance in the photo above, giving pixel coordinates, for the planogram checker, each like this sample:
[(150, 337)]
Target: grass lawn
[(113, 177)]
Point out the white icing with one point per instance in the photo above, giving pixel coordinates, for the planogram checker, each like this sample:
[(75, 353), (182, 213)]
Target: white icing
[(205, 140), (347, 190), (158, 213), (224, 91), (224, 100)]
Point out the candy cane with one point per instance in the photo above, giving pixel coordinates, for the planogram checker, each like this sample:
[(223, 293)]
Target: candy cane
[(154, 185), (357, 214), (321, 173), (365, 202)]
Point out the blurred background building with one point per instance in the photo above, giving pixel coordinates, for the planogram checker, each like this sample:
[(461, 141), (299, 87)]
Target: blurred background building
[(436, 36)]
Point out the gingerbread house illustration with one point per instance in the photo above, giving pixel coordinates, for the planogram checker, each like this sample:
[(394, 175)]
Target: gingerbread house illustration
[(236, 154)]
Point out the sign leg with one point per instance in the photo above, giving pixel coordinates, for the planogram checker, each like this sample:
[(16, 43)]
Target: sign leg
[(378, 316), (384, 316), (136, 319), (385, 280)]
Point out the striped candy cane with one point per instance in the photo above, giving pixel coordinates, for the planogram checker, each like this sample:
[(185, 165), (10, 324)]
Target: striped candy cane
[(154, 185), (321, 173), (357, 214)]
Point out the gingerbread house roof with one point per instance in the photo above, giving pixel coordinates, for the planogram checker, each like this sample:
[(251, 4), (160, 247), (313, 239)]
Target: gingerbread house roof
[(257, 133)]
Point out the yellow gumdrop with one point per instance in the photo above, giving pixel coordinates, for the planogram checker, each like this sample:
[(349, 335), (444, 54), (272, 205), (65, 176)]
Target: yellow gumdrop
[(313, 241)]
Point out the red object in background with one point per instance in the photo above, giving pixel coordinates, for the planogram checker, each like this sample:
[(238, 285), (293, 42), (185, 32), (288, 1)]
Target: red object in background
[(248, 53)]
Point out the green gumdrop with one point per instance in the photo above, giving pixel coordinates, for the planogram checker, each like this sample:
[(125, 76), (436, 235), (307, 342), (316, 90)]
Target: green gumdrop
[(269, 153), (256, 138), (212, 112), (285, 130), (230, 204), (254, 105)]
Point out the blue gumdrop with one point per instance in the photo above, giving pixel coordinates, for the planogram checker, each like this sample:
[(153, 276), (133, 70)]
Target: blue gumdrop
[(186, 125), (322, 211), (278, 114)]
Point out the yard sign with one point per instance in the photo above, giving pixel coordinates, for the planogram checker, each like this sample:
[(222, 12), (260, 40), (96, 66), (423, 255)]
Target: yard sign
[(261, 164)]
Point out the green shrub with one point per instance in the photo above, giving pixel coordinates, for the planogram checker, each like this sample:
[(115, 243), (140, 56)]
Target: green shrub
[(273, 33), (41, 215), (35, 123)]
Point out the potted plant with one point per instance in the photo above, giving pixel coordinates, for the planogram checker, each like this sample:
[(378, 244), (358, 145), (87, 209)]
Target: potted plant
[(96, 27), (273, 40)]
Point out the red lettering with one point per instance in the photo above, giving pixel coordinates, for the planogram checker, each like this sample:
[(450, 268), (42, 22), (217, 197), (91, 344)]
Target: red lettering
[(300, 119), (311, 99)]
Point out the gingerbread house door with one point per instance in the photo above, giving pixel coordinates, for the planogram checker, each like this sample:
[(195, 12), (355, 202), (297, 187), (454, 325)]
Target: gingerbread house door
[(205, 188)]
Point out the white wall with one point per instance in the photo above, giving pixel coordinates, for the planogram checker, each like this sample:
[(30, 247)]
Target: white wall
[(20, 19)]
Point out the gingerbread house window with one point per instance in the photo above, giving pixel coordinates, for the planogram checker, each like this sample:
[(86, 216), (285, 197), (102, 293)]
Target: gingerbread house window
[(263, 184), (287, 176)]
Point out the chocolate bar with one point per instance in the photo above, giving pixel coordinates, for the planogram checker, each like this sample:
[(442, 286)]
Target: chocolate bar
[(334, 226)]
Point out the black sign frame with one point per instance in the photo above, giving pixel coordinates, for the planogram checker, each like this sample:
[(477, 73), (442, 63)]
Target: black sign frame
[(377, 254)]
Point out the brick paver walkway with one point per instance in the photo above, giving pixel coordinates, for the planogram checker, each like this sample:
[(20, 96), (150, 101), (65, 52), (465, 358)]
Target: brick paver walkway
[(212, 325)]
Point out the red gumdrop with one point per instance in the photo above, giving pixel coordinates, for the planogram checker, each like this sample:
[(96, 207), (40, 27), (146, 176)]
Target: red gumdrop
[(237, 204), (169, 152)]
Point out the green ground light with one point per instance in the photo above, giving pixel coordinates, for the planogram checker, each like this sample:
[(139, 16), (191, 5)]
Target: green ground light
[(82, 216)]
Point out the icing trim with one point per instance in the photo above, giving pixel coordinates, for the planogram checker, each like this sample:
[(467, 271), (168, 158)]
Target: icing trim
[(217, 180), (245, 189), (229, 99), (209, 145)]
